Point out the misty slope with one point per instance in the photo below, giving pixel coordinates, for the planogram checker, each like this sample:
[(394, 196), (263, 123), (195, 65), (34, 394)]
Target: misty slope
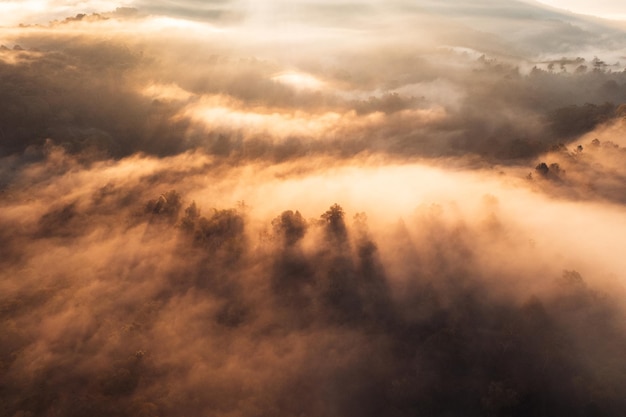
[(532, 29), (232, 208), (504, 80), (119, 301), (510, 27)]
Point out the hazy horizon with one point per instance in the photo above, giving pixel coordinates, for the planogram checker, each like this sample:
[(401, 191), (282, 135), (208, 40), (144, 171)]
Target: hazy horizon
[(44, 11)]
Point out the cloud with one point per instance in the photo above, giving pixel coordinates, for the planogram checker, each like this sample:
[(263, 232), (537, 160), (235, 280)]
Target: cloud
[(224, 11), (607, 8)]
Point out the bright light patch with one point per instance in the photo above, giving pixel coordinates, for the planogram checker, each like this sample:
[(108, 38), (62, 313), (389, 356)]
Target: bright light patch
[(613, 16), (607, 9), (163, 22), (299, 80), (13, 12), (166, 92), (274, 123), (219, 112), (23, 6)]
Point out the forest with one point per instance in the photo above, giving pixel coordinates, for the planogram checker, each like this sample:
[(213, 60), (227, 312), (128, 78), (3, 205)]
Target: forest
[(344, 211)]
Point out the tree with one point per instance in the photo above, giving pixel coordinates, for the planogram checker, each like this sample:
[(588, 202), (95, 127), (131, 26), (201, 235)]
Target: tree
[(166, 207), (542, 169), (192, 214), (290, 226), (334, 219)]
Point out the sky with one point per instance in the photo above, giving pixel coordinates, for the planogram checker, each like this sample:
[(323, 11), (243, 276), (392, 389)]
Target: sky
[(608, 9), (311, 208), (42, 11)]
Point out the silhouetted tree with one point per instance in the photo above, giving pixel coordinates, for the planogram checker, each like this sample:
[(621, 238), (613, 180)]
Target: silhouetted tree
[(166, 207), (335, 224), (290, 226), (542, 169), (189, 220), (224, 231)]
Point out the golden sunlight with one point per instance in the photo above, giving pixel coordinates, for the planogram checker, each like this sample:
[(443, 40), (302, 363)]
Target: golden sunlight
[(299, 80), (376, 208)]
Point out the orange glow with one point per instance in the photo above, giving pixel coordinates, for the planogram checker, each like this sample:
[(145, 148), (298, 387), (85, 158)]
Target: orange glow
[(311, 208), (299, 80), (167, 92)]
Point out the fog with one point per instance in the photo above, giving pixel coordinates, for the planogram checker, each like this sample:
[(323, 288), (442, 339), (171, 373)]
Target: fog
[(311, 208)]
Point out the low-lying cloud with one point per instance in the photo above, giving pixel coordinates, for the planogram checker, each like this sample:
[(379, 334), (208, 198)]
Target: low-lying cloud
[(347, 215)]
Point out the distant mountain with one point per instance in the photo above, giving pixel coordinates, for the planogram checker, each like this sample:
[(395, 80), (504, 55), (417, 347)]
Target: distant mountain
[(506, 27)]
